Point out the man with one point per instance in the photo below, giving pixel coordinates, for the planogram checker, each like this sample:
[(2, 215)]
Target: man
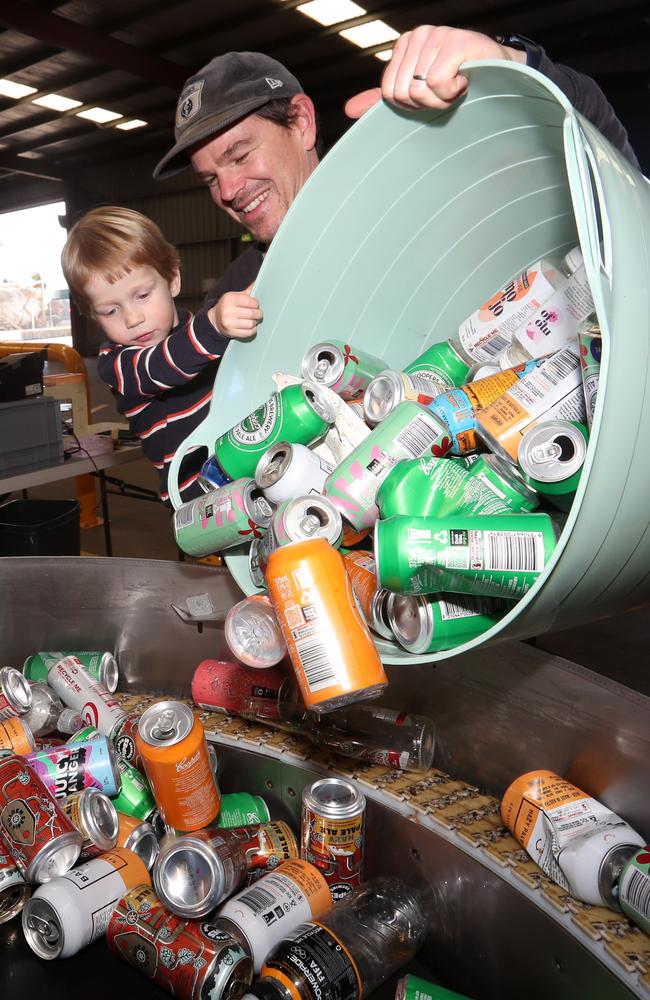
[(249, 131)]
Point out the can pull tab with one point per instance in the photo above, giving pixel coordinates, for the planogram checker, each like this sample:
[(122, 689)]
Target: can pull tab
[(45, 929), (310, 525), (165, 725), (548, 452), (321, 369)]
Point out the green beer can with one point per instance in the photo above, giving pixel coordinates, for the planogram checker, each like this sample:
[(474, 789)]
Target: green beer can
[(634, 889), (423, 623), (242, 809), (300, 414), (504, 479), (550, 458), (101, 665), (413, 988), (135, 798), (435, 487), (498, 555), (441, 365)]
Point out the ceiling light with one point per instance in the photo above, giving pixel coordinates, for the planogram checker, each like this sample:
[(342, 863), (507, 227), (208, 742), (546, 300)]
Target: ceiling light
[(331, 11), (55, 102), (384, 55), (10, 89), (134, 123), (99, 115), (370, 33)]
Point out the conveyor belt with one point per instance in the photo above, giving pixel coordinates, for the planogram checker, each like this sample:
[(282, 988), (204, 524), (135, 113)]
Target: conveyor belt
[(461, 814)]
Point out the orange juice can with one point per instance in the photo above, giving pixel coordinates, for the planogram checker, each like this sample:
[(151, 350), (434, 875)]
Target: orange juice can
[(174, 752), (16, 735), (332, 652)]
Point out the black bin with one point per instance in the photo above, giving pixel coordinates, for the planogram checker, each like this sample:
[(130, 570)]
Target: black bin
[(39, 528)]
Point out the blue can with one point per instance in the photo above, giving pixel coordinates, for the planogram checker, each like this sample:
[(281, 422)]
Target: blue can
[(212, 475)]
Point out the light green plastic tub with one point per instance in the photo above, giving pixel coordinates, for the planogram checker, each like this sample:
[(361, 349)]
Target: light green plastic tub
[(413, 219)]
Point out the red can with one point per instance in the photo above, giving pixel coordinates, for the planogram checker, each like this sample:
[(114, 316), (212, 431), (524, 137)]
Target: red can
[(191, 959), (42, 840), (224, 686)]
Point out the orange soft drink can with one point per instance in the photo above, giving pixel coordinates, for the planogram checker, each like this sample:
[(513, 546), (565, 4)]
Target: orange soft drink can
[(332, 652), (171, 743), (16, 735)]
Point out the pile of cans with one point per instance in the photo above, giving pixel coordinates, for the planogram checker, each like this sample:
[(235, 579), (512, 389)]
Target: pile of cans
[(438, 511)]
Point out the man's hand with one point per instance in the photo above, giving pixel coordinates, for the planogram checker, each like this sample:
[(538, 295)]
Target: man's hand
[(434, 54), (236, 314)]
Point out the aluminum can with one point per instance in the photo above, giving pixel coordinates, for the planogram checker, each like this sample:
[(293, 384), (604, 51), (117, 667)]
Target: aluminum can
[(553, 389), (135, 798), (408, 432), (413, 988), (223, 686), (390, 388), (442, 365), (370, 598), (591, 348), (211, 477), (15, 693), (225, 517), (275, 905), (356, 405), (341, 367), (576, 840), (242, 809), (333, 656), (504, 479), (95, 818), (298, 413), (435, 487), (191, 959), (254, 564), (138, 836), (634, 889), (550, 458), (100, 664), (353, 539), (16, 735), (79, 690), (40, 837), (458, 408), (72, 911), (45, 711), (425, 624), (171, 743), (491, 556), (298, 519), (288, 470), (332, 833), (14, 891), (70, 768), (123, 737), (253, 632)]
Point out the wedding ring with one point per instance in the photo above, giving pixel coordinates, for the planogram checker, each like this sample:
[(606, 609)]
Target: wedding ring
[(416, 76)]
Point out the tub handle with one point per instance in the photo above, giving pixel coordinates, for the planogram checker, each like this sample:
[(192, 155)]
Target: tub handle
[(201, 436), (592, 217)]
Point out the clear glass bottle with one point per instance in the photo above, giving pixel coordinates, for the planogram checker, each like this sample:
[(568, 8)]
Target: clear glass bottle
[(352, 950), (364, 732)]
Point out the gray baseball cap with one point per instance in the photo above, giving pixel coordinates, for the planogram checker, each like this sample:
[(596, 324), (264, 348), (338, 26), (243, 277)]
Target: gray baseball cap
[(230, 87)]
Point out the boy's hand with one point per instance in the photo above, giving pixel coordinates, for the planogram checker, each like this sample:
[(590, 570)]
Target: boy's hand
[(236, 314)]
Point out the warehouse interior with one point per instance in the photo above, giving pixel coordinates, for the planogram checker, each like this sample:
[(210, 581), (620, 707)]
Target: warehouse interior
[(575, 700)]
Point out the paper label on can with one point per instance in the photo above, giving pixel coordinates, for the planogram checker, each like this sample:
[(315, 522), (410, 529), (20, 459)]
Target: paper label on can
[(257, 426), (634, 889)]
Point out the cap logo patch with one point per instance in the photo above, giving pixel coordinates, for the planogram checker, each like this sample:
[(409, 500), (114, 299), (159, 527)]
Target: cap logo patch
[(273, 84), (189, 104)]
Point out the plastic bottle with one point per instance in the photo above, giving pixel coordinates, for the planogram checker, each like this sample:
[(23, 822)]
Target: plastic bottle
[(488, 331), (555, 324), (371, 733), (351, 951)]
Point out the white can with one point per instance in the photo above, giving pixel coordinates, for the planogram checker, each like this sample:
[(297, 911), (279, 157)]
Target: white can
[(72, 911), (79, 690), (288, 470)]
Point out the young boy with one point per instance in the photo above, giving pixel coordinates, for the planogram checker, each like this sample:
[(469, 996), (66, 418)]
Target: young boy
[(160, 362)]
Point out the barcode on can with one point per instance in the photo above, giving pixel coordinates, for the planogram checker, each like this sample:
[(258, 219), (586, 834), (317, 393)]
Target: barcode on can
[(635, 891), (316, 663), (495, 345), (418, 435), (184, 516), (257, 899), (560, 366), (469, 608), (518, 551)]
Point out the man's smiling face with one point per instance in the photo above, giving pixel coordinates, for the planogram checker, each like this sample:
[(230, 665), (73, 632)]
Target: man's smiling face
[(255, 169)]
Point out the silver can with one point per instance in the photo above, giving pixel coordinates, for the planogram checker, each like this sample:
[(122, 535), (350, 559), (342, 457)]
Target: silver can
[(287, 470), (254, 564), (141, 839), (390, 388), (323, 363), (552, 452), (14, 891), (45, 711), (15, 693), (95, 817), (318, 401), (299, 519), (79, 690), (379, 613), (99, 663), (196, 872)]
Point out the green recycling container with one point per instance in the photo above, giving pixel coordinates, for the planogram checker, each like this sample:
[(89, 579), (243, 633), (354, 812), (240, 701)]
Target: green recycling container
[(408, 223)]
